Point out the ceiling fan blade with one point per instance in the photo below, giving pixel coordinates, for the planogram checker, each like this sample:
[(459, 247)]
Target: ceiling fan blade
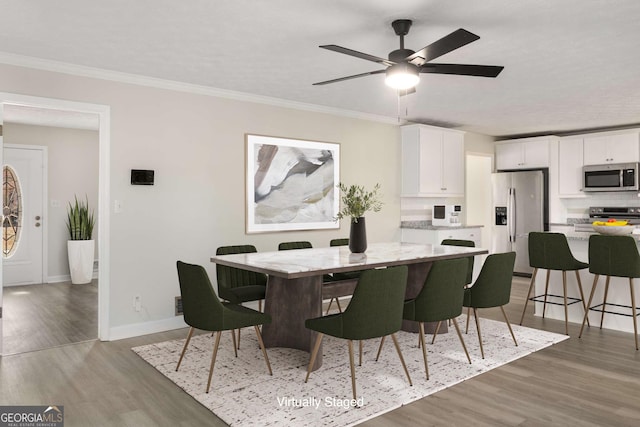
[(351, 52), (438, 48), (349, 77), (463, 69)]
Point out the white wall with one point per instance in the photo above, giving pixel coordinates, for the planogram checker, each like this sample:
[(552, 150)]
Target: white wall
[(73, 170), (195, 144)]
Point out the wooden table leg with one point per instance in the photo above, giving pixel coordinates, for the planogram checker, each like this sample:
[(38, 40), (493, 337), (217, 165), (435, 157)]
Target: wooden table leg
[(290, 302)]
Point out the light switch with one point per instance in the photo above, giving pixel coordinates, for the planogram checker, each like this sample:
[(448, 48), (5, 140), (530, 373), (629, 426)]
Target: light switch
[(55, 203), (117, 206)]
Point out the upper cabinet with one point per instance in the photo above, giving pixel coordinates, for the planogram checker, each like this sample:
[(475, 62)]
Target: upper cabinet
[(570, 155), (526, 153), (612, 148), (432, 162)]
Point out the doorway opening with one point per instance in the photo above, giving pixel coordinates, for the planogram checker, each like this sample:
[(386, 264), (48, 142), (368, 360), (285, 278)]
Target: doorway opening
[(478, 169), (54, 281)]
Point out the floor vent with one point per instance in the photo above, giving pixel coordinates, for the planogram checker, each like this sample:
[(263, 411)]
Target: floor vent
[(178, 306)]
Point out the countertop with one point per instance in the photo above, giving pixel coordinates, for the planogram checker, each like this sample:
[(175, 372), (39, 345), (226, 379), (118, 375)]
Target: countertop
[(426, 225)]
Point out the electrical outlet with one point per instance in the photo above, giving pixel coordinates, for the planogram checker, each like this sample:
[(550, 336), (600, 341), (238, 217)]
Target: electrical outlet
[(137, 303)]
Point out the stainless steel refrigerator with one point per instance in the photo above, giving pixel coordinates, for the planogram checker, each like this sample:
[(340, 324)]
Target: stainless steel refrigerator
[(520, 205)]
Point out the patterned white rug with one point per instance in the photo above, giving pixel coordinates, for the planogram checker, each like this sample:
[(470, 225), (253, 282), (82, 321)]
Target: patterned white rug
[(243, 394)]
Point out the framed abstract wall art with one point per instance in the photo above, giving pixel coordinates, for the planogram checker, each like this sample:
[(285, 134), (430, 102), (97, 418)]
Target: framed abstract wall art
[(291, 184)]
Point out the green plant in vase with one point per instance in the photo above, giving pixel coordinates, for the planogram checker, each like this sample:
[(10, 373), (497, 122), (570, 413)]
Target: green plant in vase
[(356, 201)]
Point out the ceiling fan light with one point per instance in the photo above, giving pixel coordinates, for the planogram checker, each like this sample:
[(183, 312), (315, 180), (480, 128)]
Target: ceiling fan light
[(402, 76)]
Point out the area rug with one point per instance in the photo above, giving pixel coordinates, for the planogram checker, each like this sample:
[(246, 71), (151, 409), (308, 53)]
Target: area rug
[(243, 394)]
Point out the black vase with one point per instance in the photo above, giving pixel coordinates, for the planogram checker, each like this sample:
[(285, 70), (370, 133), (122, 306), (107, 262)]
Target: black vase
[(358, 236)]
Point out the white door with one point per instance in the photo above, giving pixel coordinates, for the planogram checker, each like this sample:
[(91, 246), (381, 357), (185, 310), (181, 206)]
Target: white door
[(23, 225)]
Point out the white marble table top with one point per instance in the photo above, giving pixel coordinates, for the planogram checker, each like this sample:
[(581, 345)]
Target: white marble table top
[(296, 263)]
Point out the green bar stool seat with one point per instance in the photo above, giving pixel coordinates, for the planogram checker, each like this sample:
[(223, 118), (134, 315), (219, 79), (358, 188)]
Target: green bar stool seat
[(550, 251), (615, 256)]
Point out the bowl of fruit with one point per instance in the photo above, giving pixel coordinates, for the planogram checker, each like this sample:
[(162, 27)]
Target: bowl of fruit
[(613, 227)]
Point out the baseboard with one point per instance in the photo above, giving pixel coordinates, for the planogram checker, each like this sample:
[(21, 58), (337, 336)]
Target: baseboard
[(146, 328), (67, 277)]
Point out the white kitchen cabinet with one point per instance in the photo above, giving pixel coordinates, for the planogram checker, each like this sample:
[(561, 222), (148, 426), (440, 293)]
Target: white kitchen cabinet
[(526, 153), (570, 162), (432, 162), (611, 148)]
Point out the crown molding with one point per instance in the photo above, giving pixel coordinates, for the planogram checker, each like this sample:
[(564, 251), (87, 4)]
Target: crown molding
[(136, 79)]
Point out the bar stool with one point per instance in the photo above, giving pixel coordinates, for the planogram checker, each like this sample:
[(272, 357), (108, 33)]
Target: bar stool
[(615, 256), (551, 252)]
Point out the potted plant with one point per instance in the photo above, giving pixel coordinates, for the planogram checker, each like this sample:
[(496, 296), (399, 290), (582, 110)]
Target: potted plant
[(80, 246), (356, 201)]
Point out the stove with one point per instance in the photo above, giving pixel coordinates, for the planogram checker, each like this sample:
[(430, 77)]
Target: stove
[(632, 213)]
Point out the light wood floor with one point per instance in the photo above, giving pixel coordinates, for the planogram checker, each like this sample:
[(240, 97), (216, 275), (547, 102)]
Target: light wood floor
[(42, 316), (594, 381)]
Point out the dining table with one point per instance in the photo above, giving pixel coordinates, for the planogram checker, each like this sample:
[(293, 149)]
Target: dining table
[(295, 281)]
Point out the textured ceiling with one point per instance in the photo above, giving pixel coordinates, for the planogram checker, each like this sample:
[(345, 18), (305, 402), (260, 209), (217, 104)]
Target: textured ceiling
[(569, 64)]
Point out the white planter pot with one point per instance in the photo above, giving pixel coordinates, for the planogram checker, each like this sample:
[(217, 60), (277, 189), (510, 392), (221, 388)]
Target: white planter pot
[(81, 254)]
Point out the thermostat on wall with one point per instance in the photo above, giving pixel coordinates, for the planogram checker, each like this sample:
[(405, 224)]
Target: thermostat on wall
[(141, 177)]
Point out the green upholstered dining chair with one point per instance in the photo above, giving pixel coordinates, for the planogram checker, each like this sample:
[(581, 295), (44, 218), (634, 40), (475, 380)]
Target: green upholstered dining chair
[(492, 288), (615, 256), (236, 285), (375, 311), (551, 251), (339, 242), (440, 299), (467, 244), (285, 246), (203, 310)]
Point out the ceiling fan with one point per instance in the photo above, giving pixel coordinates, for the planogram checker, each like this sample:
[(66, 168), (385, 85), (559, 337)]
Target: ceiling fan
[(405, 65)]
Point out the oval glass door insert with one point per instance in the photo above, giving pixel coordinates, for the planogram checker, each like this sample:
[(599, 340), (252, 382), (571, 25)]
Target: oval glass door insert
[(11, 211)]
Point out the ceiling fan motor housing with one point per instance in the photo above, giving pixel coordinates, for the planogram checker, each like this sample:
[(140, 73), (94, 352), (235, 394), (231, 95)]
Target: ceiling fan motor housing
[(399, 55)]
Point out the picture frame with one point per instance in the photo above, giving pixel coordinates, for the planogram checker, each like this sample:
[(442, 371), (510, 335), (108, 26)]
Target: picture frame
[(290, 184)]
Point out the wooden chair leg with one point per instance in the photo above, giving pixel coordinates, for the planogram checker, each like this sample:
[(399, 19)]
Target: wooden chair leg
[(566, 307), (233, 336), (466, 330), (380, 348), (435, 333), (586, 313), (455, 323), (329, 306), (260, 305), (213, 359), (404, 366), (239, 338), (314, 353), (546, 292), (526, 300), (360, 353), (633, 311), (475, 314), (184, 349), (581, 293), (264, 350), (338, 303), (353, 369), (506, 319), (604, 303), (424, 349)]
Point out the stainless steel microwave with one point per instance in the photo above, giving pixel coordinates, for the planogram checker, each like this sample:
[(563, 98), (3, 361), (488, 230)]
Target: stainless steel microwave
[(610, 177)]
